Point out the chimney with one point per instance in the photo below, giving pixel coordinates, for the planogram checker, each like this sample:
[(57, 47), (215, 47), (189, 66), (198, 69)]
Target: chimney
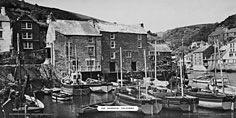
[(3, 12), (142, 25)]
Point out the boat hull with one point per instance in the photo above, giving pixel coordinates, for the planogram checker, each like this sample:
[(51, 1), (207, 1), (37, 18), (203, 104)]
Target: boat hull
[(145, 106), (103, 88), (39, 108), (61, 96), (209, 100), (76, 89), (186, 104)]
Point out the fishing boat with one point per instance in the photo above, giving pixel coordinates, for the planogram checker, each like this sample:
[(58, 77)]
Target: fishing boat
[(172, 99), (146, 104), (99, 86), (32, 105), (61, 96), (74, 85), (92, 108)]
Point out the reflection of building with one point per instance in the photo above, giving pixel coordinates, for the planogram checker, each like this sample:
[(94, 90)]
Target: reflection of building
[(131, 38), (200, 57), (69, 39), (5, 32)]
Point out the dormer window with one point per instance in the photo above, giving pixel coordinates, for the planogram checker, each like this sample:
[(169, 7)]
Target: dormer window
[(26, 25), (112, 36)]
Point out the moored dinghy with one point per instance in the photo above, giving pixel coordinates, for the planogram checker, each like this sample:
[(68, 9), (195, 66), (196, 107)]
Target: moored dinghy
[(61, 96)]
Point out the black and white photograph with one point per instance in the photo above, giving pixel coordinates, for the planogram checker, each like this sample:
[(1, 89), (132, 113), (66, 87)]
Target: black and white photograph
[(117, 58)]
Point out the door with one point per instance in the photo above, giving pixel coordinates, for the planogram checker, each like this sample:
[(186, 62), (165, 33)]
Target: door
[(112, 67), (133, 66)]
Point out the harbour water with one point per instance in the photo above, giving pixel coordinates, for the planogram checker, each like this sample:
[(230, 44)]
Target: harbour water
[(70, 109)]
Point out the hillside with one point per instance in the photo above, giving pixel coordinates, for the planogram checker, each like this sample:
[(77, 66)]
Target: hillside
[(188, 34), (15, 8)]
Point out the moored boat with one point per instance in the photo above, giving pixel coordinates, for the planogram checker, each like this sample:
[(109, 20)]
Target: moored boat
[(99, 86), (74, 85), (173, 101), (208, 99), (146, 104), (32, 105), (61, 96)]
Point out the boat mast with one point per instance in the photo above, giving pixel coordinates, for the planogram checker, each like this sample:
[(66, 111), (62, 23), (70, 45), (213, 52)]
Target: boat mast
[(18, 58), (220, 66), (69, 57), (155, 58), (121, 70), (145, 69), (214, 80), (181, 73)]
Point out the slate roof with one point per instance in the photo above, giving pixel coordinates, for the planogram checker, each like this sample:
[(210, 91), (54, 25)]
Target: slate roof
[(201, 49), (113, 27), (72, 27), (160, 47), (4, 18)]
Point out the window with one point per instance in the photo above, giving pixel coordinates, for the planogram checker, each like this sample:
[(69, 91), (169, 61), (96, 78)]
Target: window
[(91, 40), (1, 35), (113, 55), (91, 50), (151, 53), (0, 24), (112, 66), (230, 54), (90, 62), (139, 44), (113, 44), (139, 37), (128, 54), (27, 35), (28, 45), (112, 36), (26, 25)]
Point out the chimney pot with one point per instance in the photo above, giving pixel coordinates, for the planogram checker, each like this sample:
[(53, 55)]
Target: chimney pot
[(3, 12), (142, 25)]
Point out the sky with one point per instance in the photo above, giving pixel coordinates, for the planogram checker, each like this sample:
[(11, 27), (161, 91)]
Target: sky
[(157, 15)]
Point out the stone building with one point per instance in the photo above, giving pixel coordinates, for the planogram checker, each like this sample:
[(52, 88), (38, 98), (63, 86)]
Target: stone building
[(71, 40), (131, 40)]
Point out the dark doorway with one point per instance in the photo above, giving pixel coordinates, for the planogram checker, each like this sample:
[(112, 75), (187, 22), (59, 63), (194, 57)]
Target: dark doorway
[(112, 67), (133, 66)]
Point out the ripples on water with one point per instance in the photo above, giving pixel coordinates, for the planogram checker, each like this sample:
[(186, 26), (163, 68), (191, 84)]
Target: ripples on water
[(70, 109)]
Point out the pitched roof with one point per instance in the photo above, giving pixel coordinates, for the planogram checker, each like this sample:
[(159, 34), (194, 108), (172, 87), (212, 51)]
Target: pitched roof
[(111, 27), (231, 30), (233, 41), (201, 49), (160, 47), (4, 18), (72, 27)]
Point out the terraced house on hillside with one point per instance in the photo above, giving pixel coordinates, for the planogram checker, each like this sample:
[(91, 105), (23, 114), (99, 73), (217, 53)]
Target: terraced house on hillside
[(71, 40), (131, 39)]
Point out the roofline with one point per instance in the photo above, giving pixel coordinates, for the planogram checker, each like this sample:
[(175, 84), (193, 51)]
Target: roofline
[(83, 34), (122, 32)]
